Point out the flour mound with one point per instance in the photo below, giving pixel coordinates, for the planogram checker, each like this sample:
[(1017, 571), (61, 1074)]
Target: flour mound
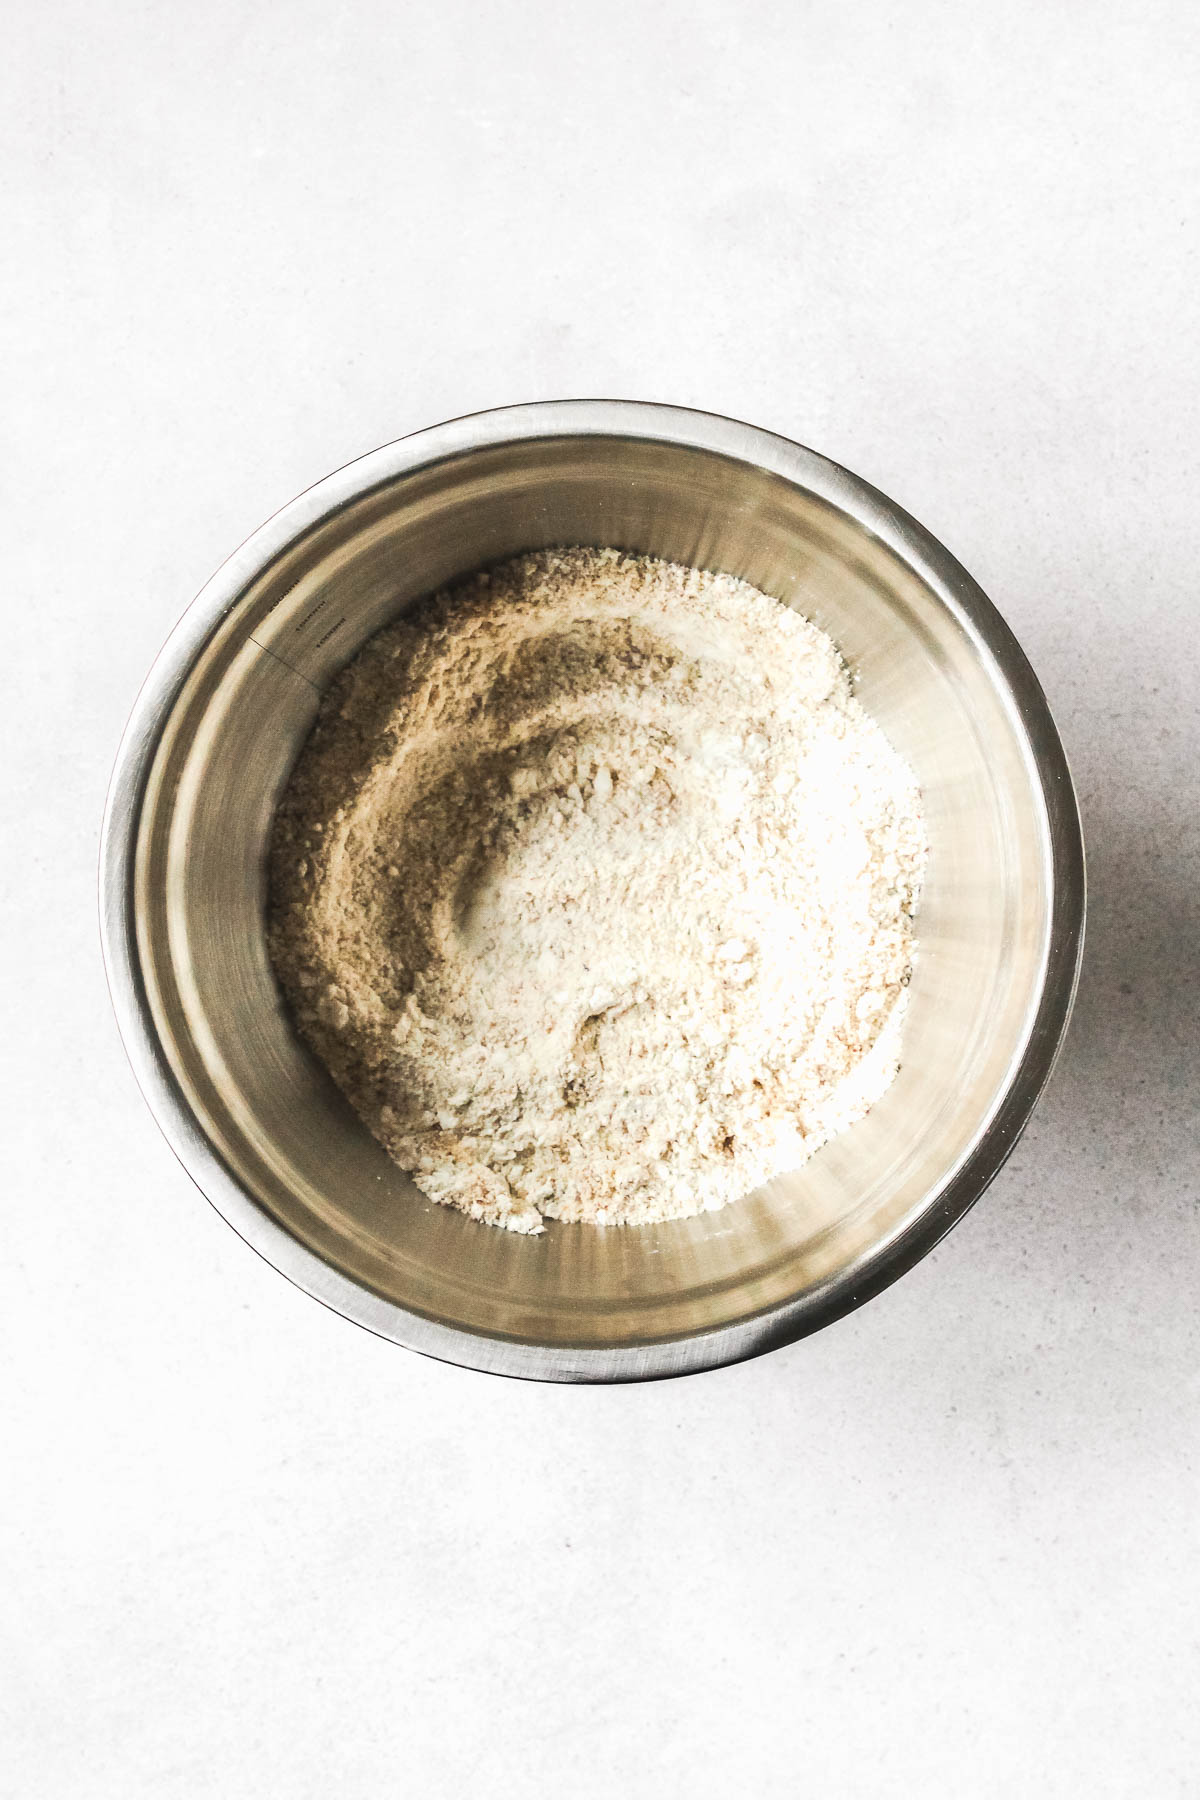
[(594, 890)]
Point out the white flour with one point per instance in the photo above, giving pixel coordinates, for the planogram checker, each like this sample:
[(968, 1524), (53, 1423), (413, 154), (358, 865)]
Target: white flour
[(594, 889)]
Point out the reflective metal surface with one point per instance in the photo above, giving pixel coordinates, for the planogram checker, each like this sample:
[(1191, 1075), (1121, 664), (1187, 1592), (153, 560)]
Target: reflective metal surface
[(264, 1132)]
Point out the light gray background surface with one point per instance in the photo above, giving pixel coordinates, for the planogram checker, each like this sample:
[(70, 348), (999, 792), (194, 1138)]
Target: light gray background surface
[(949, 1547)]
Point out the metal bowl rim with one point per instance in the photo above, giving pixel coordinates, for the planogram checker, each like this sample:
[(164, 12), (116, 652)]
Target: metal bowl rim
[(638, 420)]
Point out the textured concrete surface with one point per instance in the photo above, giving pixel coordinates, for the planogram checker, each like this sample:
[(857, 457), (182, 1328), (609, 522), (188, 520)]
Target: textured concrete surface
[(949, 1547)]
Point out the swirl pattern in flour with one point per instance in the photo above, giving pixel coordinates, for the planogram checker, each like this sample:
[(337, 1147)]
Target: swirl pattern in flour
[(594, 889)]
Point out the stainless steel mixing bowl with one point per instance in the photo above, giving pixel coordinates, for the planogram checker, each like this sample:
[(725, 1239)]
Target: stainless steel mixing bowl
[(261, 1128)]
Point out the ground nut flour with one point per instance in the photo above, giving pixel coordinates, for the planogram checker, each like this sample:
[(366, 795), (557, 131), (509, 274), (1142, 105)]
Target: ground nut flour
[(594, 889)]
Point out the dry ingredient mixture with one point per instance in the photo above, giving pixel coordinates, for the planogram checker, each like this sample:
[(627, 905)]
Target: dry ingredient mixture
[(594, 890)]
